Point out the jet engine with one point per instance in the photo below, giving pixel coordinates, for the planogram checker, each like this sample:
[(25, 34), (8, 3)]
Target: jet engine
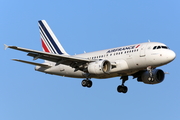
[(157, 77), (99, 67)]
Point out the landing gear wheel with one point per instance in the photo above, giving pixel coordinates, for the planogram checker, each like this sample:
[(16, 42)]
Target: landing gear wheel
[(151, 79), (89, 83), (122, 89), (86, 83)]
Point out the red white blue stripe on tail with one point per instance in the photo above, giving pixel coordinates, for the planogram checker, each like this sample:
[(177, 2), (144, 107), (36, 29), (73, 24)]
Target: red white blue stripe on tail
[(49, 41)]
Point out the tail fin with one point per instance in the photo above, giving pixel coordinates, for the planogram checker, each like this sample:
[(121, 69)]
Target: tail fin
[(49, 41)]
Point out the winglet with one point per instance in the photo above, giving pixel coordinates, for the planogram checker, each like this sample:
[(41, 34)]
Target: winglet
[(5, 46)]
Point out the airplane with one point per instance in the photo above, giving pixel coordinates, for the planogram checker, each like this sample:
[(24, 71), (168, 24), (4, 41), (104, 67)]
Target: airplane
[(138, 60)]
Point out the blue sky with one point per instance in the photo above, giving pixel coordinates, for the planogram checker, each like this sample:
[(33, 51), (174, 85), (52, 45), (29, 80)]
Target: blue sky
[(80, 26)]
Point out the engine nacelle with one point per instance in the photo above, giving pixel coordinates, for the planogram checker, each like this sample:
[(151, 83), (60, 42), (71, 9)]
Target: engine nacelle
[(99, 67), (157, 75)]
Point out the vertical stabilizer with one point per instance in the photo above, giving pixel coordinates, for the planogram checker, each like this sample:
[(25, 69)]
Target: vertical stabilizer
[(49, 41)]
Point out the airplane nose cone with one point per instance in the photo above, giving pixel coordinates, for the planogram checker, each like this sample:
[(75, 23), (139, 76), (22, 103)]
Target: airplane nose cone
[(171, 55)]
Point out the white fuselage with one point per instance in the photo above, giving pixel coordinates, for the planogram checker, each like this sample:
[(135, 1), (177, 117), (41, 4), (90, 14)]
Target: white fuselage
[(126, 60)]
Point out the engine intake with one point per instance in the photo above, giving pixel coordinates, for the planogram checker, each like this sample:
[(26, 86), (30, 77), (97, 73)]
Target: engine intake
[(99, 67), (157, 75)]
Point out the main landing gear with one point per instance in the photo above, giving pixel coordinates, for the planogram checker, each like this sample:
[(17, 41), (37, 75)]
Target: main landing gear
[(86, 83), (122, 88)]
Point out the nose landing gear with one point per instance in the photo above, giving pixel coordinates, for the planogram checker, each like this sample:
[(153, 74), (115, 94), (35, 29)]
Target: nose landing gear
[(149, 69)]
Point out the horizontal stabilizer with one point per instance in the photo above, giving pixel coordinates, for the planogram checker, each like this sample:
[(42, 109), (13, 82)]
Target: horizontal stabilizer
[(32, 63)]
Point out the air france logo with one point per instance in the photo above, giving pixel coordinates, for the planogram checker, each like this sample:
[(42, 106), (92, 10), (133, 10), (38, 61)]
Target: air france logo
[(137, 46), (123, 48)]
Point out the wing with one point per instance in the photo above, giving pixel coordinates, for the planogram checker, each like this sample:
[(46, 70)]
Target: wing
[(58, 59)]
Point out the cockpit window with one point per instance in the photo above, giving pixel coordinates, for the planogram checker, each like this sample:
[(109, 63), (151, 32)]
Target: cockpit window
[(154, 47), (160, 47), (165, 47)]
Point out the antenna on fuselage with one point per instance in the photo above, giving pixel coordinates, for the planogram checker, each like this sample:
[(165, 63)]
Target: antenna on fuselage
[(149, 40)]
